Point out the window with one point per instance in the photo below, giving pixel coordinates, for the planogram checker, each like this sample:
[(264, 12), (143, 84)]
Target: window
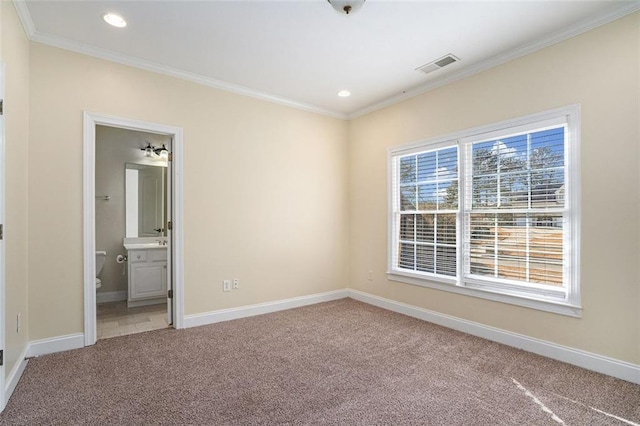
[(428, 202), (491, 212)]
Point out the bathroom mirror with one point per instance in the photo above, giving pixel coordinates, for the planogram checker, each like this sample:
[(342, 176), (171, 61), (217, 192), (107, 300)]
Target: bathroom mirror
[(145, 194)]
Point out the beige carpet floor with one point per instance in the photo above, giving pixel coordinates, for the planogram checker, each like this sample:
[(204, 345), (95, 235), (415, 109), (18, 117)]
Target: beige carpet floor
[(335, 363)]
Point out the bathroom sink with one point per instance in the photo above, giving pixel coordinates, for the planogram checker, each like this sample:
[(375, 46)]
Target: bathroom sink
[(143, 243), (141, 246)]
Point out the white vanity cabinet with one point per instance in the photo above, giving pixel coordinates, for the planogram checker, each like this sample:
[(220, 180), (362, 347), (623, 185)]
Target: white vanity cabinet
[(147, 276)]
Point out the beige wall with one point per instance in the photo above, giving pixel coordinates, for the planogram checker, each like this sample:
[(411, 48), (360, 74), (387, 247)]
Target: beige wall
[(270, 194), (114, 148), (265, 192), (15, 54), (600, 71)]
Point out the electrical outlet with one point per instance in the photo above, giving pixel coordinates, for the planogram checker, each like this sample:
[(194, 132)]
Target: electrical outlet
[(236, 283), (18, 322), (226, 285), (370, 275)]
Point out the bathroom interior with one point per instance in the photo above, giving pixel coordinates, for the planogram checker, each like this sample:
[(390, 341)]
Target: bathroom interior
[(131, 221)]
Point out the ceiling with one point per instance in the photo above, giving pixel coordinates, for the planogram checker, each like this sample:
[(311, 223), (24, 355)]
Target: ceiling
[(302, 53)]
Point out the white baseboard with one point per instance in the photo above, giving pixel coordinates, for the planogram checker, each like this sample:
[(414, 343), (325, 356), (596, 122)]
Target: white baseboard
[(111, 296), (14, 375), (590, 361), (55, 344), (261, 308), (146, 302)]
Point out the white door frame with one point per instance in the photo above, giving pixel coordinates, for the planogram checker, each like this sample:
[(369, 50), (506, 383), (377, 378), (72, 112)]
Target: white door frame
[(90, 121), (3, 311)]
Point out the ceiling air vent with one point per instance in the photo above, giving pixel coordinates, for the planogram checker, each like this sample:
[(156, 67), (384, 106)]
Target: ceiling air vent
[(438, 63)]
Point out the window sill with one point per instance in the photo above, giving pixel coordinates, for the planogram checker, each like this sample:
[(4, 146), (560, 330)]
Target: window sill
[(527, 301)]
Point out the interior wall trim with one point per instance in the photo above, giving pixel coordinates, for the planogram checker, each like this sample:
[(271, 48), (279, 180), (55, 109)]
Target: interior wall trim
[(90, 120), (518, 52), (25, 17), (212, 317), (565, 34), (111, 296), (34, 35), (588, 360), (55, 344), (14, 375)]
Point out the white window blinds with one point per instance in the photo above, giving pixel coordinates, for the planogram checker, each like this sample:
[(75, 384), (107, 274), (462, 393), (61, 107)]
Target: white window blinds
[(426, 212), (514, 214), (491, 212)]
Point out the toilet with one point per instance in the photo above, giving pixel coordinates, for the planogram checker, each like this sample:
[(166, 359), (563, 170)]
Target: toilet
[(101, 257)]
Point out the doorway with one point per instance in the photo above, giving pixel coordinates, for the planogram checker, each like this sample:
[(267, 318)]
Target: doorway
[(140, 255), (132, 208)]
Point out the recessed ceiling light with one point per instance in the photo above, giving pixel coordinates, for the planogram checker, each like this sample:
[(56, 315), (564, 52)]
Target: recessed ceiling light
[(344, 93), (115, 20)]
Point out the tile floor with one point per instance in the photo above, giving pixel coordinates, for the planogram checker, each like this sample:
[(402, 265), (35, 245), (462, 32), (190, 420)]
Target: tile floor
[(115, 319)]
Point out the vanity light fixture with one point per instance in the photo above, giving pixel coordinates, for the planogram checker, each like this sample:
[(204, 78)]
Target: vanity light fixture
[(150, 151), (115, 20), (346, 6), (162, 152)]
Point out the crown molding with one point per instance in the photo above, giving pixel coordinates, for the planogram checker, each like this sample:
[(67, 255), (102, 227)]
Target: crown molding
[(62, 43), (577, 29), (519, 52), (25, 17), (109, 55)]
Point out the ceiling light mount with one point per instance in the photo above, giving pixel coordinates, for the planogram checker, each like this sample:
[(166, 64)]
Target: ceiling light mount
[(346, 6)]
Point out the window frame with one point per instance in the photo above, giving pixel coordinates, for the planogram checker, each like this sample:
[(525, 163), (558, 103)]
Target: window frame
[(531, 296), (396, 220)]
